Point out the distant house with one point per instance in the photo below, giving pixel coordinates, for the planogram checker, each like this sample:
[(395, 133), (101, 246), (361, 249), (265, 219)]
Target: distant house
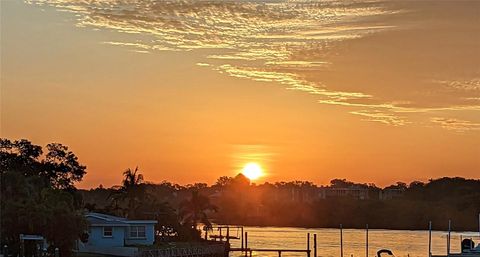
[(116, 235), (391, 193), (359, 193)]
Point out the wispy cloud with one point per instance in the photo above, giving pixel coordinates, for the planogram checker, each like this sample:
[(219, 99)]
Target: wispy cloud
[(456, 124), (379, 116), (471, 85), (268, 41)]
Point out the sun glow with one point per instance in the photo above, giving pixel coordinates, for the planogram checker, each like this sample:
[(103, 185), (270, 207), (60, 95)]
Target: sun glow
[(252, 171)]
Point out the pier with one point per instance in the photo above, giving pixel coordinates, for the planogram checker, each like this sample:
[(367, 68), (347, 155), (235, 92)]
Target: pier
[(224, 233)]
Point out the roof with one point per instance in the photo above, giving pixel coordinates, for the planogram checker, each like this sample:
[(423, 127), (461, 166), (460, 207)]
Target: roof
[(100, 219), (31, 237)]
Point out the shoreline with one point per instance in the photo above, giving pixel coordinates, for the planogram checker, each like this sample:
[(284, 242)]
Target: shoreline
[(348, 228)]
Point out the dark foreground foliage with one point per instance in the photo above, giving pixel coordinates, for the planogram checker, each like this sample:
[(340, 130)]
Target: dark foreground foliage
[(38, 194)]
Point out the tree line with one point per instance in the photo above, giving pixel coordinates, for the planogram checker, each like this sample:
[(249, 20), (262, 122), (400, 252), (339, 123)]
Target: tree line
[(300, 203)]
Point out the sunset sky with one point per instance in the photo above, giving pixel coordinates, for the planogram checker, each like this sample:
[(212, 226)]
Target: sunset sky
[(370, 91)]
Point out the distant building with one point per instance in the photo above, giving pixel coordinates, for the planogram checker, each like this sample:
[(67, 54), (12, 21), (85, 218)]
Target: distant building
[(358, 193), (390, 193), (116, 235)]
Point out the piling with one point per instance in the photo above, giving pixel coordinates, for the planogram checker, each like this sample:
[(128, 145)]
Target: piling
[(366, 241), (246, 243), (242, 247), (341, 240), (448, 236), (314, 245), (429, 239), (228, 234), (308, 244)]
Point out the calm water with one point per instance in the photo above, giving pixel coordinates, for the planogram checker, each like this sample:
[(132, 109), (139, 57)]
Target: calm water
[(402, 243)]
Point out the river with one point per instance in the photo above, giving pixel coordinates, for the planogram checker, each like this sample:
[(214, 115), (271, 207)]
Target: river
[(403, 243)]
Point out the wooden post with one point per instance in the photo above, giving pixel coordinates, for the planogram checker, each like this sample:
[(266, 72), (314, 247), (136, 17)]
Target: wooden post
[(242, 239), (279, 253), (448, 237), (206, 233), (430, 239), (315, 245), (246, 243), (366, 242), (308, 244), (22, 246), (341, 240), (228, 234), (220, 229)]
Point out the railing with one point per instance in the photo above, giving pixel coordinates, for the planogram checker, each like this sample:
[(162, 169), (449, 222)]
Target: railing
[(217, 250)]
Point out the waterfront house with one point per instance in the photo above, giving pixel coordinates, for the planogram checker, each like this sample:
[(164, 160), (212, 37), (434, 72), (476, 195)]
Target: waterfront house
[(355, 192), (117, 236)]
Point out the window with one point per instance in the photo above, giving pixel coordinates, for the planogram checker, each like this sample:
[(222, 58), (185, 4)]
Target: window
[(107, 231), (137, 232)]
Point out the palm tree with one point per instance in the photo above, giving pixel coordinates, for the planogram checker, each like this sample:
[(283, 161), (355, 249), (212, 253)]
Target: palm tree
[(194, 210), (131, 179), (132, 191)]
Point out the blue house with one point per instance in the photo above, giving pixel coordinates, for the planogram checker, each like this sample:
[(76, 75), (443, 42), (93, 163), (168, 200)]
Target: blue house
[(116, 235)]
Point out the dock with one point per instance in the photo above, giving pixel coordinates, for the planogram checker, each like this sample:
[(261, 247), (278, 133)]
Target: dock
[(225, 235)]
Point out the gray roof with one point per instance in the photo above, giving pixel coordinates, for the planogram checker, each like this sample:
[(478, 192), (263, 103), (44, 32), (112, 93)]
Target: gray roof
[(100, 219)]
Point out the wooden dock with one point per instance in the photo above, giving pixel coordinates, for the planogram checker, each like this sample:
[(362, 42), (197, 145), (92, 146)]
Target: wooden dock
[(225, 235), (217, 250), (247, 251)]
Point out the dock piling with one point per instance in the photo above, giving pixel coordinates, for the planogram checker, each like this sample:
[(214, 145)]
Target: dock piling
[(308, 244), (228, 234), (246, 243), (242, 239), (366, 241), (315, 245), (430, 239), (341, 240), (448, 237)]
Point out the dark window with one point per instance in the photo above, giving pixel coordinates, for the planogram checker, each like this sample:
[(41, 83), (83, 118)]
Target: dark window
[(107, 231), (137, 232)]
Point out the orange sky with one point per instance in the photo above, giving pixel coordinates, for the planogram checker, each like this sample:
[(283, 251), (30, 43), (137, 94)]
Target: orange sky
[(190, 91)]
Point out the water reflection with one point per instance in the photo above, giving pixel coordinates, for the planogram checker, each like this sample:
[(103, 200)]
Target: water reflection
[(403, 243)]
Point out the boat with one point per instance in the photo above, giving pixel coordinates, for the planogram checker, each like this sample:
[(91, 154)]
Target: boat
[(467, 244)]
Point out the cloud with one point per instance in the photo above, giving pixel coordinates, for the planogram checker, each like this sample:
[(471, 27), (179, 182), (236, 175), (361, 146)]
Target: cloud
[(471, 85), (456, 124), (269, 41), (267, 38), (385, 118)]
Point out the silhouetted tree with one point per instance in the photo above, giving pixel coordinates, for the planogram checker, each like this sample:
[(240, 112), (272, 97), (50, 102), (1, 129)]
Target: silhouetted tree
[(194, 210), (38, 194), (132, 192), (59, 167)]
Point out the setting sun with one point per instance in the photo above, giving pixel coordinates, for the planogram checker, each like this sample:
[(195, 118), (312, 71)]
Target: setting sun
[(252, 171)]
